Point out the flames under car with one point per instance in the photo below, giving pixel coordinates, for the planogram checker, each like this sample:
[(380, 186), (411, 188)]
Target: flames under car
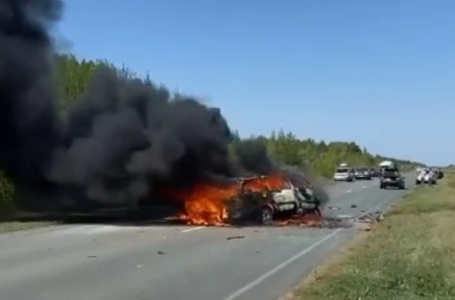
[(262, 206), (258, 199)]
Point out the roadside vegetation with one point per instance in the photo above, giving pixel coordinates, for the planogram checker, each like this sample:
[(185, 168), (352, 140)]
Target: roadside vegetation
[(284, 147), (408, 256)]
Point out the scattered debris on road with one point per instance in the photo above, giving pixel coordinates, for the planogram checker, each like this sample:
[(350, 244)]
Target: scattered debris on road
[(372, 217), (161, 253), (235, 237), (353, 205), (366, 222), (92, 256)]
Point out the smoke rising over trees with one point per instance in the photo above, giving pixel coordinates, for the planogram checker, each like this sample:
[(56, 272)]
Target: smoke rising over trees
[(89, 125)]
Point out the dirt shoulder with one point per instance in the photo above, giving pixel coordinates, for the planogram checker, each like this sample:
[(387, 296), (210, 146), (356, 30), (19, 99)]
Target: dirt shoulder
[(407, 256), (16, 222), (16, 226)]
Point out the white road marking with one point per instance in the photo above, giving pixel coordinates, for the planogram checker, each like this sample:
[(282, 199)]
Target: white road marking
[(281, 266), (111, 228), (344, 216), (192, 229), (92, 229), (348, 191)]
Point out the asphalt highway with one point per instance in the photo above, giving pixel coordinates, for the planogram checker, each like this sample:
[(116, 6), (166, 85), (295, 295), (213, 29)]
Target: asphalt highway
[(106, 262)]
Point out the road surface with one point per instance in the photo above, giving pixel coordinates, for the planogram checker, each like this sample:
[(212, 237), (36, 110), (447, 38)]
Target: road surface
[(100, 262)]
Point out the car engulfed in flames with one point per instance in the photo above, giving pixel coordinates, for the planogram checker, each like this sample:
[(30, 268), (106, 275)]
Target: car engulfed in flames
[(258, 199)]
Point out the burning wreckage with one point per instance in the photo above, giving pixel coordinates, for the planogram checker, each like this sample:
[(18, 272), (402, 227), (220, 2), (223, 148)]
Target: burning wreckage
[(258, 199), (261, 202), (166, 139)]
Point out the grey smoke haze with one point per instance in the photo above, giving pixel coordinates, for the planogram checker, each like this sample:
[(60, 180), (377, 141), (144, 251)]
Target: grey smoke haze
[(124, 134)]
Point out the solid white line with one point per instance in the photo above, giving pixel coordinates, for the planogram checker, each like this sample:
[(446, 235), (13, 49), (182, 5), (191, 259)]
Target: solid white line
[(281, 266), (344, 216), (192, 229), (348, 191)]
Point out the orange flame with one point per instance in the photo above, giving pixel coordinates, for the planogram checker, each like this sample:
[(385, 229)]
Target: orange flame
[(259, 184), (307, 220), (206, 203)]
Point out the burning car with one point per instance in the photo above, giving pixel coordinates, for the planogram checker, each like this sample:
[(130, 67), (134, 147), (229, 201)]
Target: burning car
[(257, 199), (293, 196)]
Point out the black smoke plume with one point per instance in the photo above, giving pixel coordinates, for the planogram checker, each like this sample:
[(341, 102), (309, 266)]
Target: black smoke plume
[(124, 134)]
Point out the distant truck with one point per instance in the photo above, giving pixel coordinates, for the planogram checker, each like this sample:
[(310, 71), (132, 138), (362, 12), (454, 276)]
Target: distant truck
[(386, 164)]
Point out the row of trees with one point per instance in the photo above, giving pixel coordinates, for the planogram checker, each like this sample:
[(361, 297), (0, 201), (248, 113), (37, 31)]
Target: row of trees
[(285, 148)]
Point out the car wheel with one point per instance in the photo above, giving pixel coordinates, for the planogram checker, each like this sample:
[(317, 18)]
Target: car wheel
[(266, 215)]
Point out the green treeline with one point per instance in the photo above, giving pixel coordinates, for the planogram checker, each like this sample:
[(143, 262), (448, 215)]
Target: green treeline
[(285, 148)]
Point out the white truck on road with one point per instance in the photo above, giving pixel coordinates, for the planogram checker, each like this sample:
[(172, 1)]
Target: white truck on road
[(386, 164)]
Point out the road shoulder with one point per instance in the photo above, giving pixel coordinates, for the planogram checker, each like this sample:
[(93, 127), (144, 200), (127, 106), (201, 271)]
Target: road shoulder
[(407, 256), (13, 226)]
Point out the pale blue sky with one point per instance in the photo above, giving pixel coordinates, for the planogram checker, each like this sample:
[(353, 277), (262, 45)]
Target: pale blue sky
[(378, 72)]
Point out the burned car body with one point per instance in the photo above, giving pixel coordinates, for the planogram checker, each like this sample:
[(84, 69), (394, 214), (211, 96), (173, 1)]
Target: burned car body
[(294, 195)]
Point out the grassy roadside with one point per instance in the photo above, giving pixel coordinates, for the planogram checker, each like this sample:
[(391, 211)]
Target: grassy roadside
[(409, 256), (17, 226), (9, 223)]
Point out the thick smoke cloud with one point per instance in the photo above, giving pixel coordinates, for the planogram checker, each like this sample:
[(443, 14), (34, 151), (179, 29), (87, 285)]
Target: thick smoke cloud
[(125, 134), (29, 128), (122, 137), (253, 156)]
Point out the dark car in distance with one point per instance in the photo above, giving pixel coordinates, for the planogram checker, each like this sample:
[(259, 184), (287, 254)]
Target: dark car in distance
[(374, 172), (363, 173), (391, 177)]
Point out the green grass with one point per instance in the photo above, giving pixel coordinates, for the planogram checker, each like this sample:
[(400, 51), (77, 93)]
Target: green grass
[(409, 256), (16, 221)]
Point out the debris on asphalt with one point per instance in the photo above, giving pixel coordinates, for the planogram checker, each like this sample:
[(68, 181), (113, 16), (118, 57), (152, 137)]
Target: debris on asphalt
[(353, 205), (333, 207), (161, 253), (366, 222), (380, 217), (92, 256), (235, 237)]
